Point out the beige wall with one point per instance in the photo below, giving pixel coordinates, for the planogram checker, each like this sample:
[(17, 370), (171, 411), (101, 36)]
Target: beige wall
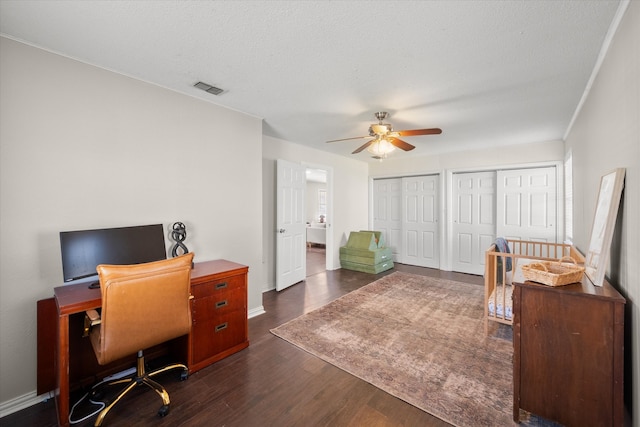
[(349, 193), (82, 147), (606, 135)]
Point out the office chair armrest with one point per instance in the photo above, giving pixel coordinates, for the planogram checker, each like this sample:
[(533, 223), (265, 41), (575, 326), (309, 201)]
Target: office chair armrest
[(91, 319)]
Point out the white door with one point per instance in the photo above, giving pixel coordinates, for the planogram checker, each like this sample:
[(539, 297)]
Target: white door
[(526, 205), (474, 223), (387, 213), (420, 242), (290, 225)]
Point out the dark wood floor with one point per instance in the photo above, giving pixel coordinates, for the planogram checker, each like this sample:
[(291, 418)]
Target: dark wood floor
[(316, 260), (271, 383)]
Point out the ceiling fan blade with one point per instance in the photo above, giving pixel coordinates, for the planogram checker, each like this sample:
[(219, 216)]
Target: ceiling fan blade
[(362, 147), (401, 144), (347, 139), (416, 132)]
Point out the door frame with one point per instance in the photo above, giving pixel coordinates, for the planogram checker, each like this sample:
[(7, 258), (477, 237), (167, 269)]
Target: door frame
[(329, 258), (441, 204), (446, 261), (446, 201)]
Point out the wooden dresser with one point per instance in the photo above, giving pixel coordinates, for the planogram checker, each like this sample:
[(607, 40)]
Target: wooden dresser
[(219, 312), (568, 353)]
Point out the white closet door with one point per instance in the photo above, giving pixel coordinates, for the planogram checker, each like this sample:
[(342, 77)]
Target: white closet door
[(474, 219), (420, 237), (387, 212), (527, 205)]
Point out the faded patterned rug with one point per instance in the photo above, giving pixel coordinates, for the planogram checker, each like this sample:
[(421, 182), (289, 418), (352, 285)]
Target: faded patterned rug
[(420, 339)]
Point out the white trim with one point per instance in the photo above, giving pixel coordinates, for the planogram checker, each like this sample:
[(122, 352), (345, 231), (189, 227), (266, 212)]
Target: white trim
[(329, 245), (440, 173), (568, 156), (31, 398), (615, 23), (443, 242), (446, 202), (447, 264), (21, 402), (254, 312)]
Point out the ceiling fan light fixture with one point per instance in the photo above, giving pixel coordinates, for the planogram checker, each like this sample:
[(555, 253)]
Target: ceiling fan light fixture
[(380, 129), (380, 148), (385, 139)]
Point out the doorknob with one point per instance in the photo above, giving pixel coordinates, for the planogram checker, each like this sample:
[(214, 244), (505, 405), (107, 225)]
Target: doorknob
[(282, 230)]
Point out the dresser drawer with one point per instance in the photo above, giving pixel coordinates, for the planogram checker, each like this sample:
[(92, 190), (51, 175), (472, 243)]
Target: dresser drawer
[(218, 334), (218, 286), (220, 303)]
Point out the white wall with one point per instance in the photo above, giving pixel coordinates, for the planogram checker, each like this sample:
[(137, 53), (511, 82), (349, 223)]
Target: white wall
[(311, 202), (606, 135), (81, 147), (403, 164), (350, 197)]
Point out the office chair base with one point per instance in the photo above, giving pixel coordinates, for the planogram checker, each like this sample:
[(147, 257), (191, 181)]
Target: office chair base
[(141, 377)]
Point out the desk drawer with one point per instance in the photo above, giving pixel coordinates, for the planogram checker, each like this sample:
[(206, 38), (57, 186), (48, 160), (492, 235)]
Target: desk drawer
[(219, 334), (218, 286), (218, 304)]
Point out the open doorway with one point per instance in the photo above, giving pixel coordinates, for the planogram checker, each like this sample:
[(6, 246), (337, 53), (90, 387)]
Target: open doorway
[(316, 211)]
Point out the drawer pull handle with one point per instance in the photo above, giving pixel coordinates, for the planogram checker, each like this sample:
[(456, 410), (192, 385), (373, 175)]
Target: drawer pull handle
[(221, 285), (221, 304), (221, 326)]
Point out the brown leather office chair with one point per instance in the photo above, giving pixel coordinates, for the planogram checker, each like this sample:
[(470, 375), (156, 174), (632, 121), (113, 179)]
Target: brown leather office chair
[(142, 305)]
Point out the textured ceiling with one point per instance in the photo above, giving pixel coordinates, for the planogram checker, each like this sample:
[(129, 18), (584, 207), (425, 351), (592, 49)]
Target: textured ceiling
[(489, 73)]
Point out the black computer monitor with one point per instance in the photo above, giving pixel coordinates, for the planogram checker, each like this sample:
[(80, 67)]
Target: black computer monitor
[(84, 250)]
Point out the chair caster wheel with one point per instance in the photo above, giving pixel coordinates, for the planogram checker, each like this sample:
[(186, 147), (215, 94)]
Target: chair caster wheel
[(184, 375), (163, 411), (96, 395)]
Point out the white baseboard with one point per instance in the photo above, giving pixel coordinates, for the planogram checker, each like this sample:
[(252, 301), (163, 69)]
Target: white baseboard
[(21, 402), (256, 312), (29, 399)]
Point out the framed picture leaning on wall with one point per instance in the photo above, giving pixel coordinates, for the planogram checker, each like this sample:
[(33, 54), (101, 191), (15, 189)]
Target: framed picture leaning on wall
[(604, 222)]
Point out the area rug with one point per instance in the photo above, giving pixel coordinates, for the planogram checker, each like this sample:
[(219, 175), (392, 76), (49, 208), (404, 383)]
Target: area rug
[(420, 339)]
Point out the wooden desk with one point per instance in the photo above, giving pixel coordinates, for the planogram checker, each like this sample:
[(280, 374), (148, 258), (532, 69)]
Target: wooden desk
[(219, 313), (568, 363)]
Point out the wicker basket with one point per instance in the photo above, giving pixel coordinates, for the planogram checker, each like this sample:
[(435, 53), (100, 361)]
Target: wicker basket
[(554, 273)]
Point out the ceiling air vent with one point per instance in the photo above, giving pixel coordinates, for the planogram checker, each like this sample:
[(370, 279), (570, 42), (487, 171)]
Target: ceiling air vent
[(208, 88)]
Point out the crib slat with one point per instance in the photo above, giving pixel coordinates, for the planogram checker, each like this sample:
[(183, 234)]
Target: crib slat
[(520, 249)]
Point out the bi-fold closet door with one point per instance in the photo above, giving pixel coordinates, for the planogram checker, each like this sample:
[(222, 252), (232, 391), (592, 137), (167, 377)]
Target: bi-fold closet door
[(516, 204), (473, 225), (513, 203), (406, 211)]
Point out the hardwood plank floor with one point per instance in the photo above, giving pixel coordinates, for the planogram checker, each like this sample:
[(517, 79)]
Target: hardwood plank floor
[(271, 383), (316, 259)]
